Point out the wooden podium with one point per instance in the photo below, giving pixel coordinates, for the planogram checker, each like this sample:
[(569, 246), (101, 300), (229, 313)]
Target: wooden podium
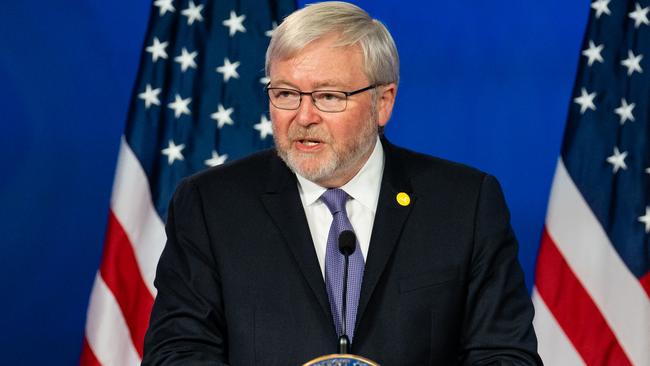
[(341, 360)]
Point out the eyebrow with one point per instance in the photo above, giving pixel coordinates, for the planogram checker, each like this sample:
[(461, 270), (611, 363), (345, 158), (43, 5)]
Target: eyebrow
[(336, 84)]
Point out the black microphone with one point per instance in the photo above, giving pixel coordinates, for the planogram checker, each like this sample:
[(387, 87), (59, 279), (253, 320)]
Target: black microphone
[(347, 242), (347, 245)]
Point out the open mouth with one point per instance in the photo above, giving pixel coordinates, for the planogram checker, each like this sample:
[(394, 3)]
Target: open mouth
[(310, 142)]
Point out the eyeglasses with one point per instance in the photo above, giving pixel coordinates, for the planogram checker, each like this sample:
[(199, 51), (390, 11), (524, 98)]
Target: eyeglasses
[(330, 101)]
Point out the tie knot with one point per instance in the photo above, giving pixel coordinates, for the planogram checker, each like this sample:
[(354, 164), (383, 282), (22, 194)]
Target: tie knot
[(335, 200)]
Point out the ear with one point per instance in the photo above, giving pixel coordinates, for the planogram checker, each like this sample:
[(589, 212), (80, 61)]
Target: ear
[(385, 102)]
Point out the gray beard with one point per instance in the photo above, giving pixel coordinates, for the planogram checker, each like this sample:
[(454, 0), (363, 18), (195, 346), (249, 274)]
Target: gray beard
[(341, 161)]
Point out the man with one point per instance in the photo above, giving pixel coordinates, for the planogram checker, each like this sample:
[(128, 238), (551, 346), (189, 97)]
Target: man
[(251, 273)]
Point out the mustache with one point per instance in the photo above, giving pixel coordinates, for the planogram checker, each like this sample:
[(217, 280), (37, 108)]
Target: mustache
[(308, 133)]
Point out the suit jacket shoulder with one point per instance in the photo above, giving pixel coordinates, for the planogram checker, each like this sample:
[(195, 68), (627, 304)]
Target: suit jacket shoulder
[(424, 170), (249, 173)]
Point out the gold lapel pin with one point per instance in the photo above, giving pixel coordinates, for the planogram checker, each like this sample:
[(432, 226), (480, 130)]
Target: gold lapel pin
[(403, 199)]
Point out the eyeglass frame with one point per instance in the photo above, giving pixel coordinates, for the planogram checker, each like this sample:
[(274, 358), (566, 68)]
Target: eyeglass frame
[(311, 95)]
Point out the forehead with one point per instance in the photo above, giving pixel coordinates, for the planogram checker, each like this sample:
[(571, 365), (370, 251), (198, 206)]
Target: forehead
[(321, 62)]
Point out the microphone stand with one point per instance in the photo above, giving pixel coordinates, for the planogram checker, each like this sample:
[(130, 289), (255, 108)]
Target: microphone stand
[(347, 246), (344, 341)]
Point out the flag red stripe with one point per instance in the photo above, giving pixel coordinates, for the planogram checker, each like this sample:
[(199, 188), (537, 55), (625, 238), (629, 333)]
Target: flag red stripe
[(121, 273), (87, 356), (574, 309), (645, 283)]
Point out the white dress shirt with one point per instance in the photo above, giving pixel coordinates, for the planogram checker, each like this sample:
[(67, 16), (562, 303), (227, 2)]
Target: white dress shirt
[(363, 190)]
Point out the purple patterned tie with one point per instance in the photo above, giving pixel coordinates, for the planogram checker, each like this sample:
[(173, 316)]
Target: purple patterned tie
[(335, 199)]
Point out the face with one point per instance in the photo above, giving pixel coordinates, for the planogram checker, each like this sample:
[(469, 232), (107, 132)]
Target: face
[(328, 148)]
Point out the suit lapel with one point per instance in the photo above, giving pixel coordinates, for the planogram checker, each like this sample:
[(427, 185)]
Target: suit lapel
[(282, 201), (387, 228)]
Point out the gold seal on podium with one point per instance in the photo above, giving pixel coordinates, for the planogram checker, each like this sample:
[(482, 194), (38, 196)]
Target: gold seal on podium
[(341, 360)]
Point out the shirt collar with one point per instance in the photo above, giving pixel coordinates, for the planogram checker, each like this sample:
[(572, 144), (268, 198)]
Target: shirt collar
[(363, 187)]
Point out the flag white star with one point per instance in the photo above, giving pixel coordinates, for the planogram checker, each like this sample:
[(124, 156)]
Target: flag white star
[(193, 13), (235, 23), (173, 152), (601, 6), (647, 170), (222, 116), (179, 105), (645, 219), (216, 159), (269, 33), (164, 6), (150, 96), (186, 59), (586, 100), (265, 80), (265, 127), (229, 70), (617, 160), (625, 111), (157, 49), (633, 63), (640, 15), (593, 53)]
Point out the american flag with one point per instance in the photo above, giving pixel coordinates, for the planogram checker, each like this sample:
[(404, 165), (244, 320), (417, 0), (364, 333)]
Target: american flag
[(198, 102), (592, 283)]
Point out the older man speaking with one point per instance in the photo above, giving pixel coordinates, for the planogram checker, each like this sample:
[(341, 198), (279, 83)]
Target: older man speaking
[(252, 274)]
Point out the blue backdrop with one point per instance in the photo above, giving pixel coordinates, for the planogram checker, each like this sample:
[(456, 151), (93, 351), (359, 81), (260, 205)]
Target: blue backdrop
[(485, 83)]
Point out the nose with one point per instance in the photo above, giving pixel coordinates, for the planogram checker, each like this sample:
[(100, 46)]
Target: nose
[(307, 113)]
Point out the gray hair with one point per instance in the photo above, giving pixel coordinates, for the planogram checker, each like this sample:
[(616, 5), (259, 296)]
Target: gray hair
[(354, 26)]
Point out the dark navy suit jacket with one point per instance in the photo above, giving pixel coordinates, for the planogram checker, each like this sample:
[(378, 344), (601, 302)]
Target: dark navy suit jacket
[(239, 282)]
